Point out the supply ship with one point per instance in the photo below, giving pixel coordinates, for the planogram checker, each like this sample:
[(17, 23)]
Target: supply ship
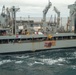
[(15, 38)]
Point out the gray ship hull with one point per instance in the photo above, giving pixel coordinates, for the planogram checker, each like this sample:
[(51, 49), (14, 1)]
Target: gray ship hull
[(34, 46)]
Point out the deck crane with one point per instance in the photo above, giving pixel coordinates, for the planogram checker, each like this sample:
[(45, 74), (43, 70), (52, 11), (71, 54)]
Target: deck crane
[(44, 16), (72, 8), (3, 11), (8, 16), (8, 12), (46, 10), (58, 16)]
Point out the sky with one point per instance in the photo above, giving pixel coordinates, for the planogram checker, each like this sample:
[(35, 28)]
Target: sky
[(34, 8)]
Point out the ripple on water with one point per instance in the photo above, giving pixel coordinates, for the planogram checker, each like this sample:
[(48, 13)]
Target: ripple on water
[(51, 61), (42, 63), (5, 61), (18, 62), (22, 57)]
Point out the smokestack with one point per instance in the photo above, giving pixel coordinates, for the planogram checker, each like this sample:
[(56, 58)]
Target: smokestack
[(75, 24)]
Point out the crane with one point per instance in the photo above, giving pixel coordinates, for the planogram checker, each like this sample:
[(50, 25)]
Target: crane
[(72, 8), (58, 15), (3, 11), (8, 11), (51, 19), (46, 10), (8, 16), (44, 24)]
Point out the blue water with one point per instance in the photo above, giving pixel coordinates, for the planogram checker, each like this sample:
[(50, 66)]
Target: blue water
[(61, 62)]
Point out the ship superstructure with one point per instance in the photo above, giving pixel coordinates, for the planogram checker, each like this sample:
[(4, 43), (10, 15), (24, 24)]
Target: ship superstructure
[(26, 39), (72, 17)]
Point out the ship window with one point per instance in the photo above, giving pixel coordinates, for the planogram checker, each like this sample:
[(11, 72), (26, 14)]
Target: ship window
[(40, 38), (4, 41), (74, 37), (44, 38), (23, 40), (60, 38), (17, 40), (2, 32), (54, 38), (11, 40), (29, 39), (34, 39), (31, 25), (68, 37), (65, 37), (0, 41)]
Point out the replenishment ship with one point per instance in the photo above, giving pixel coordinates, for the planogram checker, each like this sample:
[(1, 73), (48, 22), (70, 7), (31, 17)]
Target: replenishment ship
[(20, 39)]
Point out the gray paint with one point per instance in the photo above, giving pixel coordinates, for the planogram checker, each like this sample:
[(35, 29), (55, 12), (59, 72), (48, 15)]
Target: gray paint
[(17, 47)]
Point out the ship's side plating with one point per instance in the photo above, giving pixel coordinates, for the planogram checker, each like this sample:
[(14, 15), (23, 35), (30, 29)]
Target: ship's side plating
[(38, 45), (21, 47)]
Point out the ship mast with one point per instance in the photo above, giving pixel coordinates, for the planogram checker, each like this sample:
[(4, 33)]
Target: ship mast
[(14, 11)]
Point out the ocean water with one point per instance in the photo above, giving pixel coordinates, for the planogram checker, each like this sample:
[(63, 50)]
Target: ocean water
[(61, 62)]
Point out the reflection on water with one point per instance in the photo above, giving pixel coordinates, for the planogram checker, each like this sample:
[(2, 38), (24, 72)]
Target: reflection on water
[(40, 63)]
